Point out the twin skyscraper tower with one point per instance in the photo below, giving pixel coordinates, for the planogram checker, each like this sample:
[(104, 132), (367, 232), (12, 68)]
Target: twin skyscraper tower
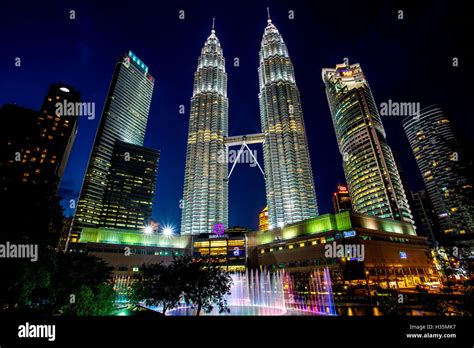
[(119, 186), (289, 180)]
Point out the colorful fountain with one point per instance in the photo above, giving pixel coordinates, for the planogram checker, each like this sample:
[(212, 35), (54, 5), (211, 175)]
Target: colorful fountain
[(273, 293)]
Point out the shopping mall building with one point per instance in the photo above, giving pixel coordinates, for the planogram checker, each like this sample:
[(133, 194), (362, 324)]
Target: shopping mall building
[(357, 249)]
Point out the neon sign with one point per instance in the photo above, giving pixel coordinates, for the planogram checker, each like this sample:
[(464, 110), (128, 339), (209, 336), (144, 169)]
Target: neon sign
[(346, 73), (341, 188)]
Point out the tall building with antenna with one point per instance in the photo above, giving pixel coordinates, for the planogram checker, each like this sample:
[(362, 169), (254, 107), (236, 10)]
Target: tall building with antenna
[(205, 182), (289, 181)]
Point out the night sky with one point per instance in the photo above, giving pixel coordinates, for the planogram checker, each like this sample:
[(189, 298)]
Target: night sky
[(407, 60)]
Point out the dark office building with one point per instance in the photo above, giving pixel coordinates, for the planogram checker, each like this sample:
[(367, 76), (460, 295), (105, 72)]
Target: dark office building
[(34, 150), (130, 186), (35, 146), (424, 216)]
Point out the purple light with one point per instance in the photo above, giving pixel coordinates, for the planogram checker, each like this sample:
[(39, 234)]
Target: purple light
[(219, 229)]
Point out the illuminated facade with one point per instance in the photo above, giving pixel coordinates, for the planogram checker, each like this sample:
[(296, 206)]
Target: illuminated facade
[(229, 248), (289, 181), (205, 183), (124, 118), (341, 199), (263, 220), (43, 140), (369, 166), (393, 256), (444, 172), (130, 187)]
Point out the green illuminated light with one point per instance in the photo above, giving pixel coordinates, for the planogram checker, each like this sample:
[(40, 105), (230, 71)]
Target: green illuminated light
[(323, 223), (116, 236)]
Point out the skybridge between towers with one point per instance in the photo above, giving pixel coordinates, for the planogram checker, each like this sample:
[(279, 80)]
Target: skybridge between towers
[(244, 141)]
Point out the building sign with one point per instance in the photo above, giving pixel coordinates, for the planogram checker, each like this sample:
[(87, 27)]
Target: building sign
[(346, 73), (349, 234), (219, 236), (236, 252), (342, 189), (403, 255)]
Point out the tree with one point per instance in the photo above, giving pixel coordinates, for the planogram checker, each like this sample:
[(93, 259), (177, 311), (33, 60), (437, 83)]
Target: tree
[(66, 283), (204, 283), (392, 307), (158, 285), (33, 216), (91, 302)]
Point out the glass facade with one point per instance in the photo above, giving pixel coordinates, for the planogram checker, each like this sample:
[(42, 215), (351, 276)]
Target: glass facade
[(444, 170), (205, 182), (289, 181), (369, 166), (229, 250), (130, 187), (124, 118)]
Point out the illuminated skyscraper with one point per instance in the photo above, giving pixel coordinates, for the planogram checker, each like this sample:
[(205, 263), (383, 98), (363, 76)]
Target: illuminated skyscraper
[(341, 200), (444, 171), (370, 169), (124, 118), (205, 182), (289, 181), (263, 220)]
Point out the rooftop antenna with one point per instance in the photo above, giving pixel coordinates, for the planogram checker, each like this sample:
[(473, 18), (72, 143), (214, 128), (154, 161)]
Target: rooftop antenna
[(268, 14), (213, 21)]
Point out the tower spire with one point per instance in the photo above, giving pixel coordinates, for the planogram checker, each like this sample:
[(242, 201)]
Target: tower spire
[(213, 22), (268, 14)]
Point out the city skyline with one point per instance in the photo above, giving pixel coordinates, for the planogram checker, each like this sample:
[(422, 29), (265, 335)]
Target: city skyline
[(168, 204)]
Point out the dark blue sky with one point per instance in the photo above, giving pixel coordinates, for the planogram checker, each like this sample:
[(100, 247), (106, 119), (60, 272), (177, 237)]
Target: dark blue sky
[(407, 60)]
